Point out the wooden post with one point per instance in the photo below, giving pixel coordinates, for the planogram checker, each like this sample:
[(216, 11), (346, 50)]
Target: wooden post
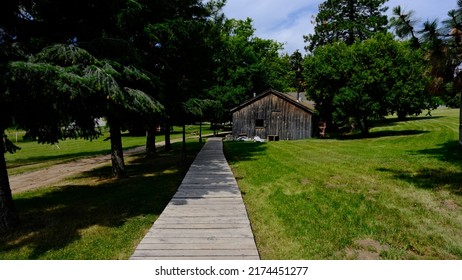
[(200, 132), (460, 122)]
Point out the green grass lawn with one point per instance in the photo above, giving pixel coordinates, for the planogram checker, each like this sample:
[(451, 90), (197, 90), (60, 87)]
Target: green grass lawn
[(93, 216), (394, 195), (33, 156)]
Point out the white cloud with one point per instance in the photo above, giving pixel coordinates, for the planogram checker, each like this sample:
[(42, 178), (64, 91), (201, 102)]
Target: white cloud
[(286, 21), (292, 35)]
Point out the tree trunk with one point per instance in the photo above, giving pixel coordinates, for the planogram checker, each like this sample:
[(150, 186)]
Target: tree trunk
[(364, 126), (200, 132), (328, 118), (351, 16), (8, 215), (168, 144), (151, 149), (402, 116), (117, 155), (183, 146), (460, 123)]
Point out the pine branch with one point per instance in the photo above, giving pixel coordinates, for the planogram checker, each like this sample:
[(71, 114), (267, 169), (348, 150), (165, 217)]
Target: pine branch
[(64, 55), (8, 146)]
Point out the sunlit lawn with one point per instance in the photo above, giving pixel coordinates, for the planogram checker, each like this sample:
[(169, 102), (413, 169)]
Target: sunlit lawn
[(93, 216), (394, 195), (33, 156)]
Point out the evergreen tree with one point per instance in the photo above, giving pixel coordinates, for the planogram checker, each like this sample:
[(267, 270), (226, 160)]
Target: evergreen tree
[(441, 46), (184, 39), (296, 65), (347, 20), (59, 92)]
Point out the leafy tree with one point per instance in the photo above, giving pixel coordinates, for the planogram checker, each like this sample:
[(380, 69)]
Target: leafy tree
[(353, 85), (326, 73), (245, 64), (347, 21)]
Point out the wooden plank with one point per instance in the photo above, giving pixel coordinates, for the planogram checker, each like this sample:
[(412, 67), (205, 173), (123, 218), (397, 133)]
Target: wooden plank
[(203, 220), (186, 226), (207, 172), (206, 218), (204, 233), (198, 213), (211, 180), (192, 221), (195, 192), (210, 201), (206, 195), (206, 206), (249, 241), (193, 246), (253, 257), (210, 186), (194, 253), (211, 209)]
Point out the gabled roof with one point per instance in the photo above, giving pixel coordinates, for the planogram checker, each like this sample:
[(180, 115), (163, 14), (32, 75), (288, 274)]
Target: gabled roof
[(290, 97)]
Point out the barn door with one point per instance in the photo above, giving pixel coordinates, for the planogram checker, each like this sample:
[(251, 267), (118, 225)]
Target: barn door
[(275, 125)]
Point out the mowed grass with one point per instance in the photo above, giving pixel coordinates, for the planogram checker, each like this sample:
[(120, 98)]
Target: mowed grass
[(34, 156), (93, 216), (394, 195)]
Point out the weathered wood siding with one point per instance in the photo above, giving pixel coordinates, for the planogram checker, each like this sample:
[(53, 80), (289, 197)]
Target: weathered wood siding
[(279, 116)]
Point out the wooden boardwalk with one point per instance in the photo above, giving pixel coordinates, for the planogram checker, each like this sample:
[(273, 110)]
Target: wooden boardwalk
[(206, 218)]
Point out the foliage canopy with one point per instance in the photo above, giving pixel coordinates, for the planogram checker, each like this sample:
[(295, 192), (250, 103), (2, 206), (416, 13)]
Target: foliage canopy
[(353, 85), (347, 21)]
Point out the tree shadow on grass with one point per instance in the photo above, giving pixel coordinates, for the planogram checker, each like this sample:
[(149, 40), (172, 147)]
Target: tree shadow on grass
[(54, 219), (447, 152), (394, 120), (388, 122), (236, 151), (435, 179), (382, 133)]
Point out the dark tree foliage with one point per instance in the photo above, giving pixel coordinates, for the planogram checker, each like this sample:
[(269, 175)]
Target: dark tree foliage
[(245, 64), (354, 85), (58, 92), (296, 67), (183, 38), (347, 21)]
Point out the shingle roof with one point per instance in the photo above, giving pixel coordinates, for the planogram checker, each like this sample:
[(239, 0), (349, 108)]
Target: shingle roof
[(291, 97)]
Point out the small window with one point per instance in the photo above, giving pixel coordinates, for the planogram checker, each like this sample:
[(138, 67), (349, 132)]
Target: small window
[(259, 123)]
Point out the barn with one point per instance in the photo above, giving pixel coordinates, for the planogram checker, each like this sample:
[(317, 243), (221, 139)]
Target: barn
[(274, 115)]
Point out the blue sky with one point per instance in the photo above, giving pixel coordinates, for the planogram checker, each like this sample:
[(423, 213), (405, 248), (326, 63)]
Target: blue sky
[(286, 21)]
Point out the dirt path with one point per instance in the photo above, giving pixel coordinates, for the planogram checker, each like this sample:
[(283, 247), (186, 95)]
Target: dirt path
[(58, 172)]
